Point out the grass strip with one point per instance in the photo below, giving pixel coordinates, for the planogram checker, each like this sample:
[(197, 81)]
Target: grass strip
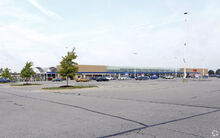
[(66, 88), (26, 84)]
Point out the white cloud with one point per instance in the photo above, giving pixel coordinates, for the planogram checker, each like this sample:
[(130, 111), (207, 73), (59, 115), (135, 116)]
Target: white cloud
[(20, 14), (19, 45), (43, 10), (5, 2), (157, 44)]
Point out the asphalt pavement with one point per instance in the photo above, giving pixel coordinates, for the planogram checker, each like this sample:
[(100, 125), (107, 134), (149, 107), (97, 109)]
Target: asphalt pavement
[(118, 108)]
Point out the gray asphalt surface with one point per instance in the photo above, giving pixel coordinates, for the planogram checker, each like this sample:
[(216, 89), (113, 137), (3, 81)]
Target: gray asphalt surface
[(129, 108)]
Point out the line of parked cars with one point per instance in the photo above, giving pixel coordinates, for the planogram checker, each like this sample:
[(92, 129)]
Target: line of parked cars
[(215, 75), (142, 78), (2, 80), (108, 78), (154, 77)]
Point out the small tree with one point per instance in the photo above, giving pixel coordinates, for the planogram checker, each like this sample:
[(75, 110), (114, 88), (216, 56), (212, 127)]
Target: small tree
[(6, 74), (68, 66), (211, 72), (217, 71), (27, 71)]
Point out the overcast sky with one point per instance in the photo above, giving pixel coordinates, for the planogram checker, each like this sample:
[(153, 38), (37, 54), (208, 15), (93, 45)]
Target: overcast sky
[(109, 32)]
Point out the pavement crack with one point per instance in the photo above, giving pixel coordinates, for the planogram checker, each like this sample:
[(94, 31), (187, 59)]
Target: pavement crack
[(159, 124), (79, 107)]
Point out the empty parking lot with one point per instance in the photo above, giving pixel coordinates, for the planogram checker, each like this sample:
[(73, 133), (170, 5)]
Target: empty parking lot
[(126, 108)]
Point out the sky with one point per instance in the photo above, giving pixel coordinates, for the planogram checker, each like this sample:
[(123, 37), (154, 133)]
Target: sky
[(109, 32)]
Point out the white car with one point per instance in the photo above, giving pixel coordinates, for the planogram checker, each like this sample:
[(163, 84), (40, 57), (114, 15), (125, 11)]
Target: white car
[(169, 77), (123, 78), (109, 77)]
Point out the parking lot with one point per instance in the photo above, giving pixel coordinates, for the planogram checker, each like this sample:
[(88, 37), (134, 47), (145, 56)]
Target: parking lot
[(118, 108)]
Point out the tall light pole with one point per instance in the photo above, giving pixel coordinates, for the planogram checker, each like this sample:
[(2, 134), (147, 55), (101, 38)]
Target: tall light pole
[(176, 59), (184, 49), (203, 68), (135, 72)]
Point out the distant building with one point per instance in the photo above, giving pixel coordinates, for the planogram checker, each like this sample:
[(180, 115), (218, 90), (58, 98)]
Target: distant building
[(45, 73), (102, 70)]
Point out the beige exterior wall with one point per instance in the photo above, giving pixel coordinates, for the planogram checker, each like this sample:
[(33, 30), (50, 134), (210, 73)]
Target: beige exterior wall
[(89, 68), (92, 68)]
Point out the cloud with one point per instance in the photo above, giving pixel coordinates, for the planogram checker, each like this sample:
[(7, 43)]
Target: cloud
[(5, 2), (43, 10), (20, 14), (19, 45), (157, 42)]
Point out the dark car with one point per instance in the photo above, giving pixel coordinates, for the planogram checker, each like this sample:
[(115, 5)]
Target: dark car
[(4, 80), (142, 78), (154, 77), (212, 75), (58, 79), (102, 79)]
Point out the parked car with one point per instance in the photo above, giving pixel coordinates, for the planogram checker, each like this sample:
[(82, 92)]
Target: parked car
[(94, 77), (109, 77), (123, 78), (169, 77), (217, 76), (3, 80), (190, 76), (212, 75), (57, 79), (205, 76), (102, 79), (142, 78), (81, 80), (154, 77)]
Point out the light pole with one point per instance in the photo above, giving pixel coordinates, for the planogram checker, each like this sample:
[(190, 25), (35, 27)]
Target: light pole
[(203, 68), (135, 72), (184, 50), (176, 59)]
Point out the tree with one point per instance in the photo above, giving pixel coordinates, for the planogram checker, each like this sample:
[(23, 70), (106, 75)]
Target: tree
[(211, 72), (6, 74), (27, 71), (68, 66), (217, 71)]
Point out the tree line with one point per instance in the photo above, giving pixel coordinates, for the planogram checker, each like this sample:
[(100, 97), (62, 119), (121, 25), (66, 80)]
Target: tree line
[(68, 68)]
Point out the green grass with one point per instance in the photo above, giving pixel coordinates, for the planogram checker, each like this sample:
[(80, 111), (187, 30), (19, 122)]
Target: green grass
[(66, 88), (26, 84)]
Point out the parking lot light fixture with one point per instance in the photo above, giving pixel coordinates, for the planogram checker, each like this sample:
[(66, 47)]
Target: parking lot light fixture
[(135, 71), (184, 50), (176, 59)]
